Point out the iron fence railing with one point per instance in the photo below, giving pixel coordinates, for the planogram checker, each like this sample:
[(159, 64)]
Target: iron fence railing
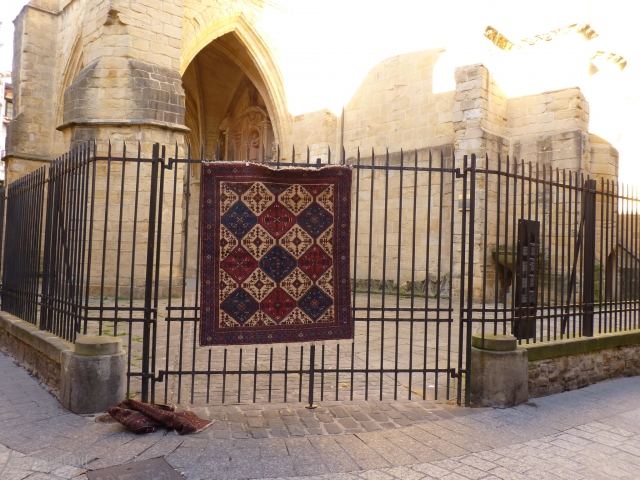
[(442, 249)]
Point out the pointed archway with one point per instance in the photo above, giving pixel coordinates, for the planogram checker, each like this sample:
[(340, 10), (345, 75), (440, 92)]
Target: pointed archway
[(234, 91), (225, 109)]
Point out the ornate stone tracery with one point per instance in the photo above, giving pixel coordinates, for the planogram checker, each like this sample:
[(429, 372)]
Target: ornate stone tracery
[(246, 131)]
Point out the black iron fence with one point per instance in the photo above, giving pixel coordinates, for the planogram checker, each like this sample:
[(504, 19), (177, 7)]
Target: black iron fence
[(109, 245)]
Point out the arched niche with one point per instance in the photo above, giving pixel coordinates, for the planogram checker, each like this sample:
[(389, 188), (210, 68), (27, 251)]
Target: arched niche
[(227, 59)]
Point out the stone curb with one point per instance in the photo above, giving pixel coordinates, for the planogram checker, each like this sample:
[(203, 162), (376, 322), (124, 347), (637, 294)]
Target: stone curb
[(572, 346), (44, 342)]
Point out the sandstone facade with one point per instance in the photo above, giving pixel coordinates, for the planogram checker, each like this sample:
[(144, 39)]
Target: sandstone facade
[(555, 375), (206, 73)]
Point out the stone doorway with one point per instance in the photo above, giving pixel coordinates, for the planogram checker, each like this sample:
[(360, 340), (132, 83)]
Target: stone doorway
[(227, 103), (228, 112)]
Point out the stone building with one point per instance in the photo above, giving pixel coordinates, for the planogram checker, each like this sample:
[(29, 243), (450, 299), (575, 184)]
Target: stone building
[(6, 112), (207, 73)]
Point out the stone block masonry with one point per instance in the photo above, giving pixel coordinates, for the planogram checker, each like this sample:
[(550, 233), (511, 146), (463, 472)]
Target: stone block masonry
[(87, 377), (569, 364)]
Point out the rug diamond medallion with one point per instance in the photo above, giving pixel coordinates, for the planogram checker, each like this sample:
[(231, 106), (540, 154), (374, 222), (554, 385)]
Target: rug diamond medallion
[(275, 254)]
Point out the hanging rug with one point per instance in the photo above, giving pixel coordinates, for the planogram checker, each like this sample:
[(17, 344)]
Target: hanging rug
[(274, 254)]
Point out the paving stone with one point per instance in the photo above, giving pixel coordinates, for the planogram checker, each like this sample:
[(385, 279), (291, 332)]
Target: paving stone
[(348, 423), (325, 418), (370, 426), (333, 428)]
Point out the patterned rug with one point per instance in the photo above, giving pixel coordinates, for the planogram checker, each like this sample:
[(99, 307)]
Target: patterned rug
[(275, 254), (145, 417)]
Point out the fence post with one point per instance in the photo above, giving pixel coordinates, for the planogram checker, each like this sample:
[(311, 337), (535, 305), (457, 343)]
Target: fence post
[(148, 285), (469, 314), (588, 292)]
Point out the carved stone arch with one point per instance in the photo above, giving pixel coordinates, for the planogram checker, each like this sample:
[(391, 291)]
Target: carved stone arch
[(270, 84), (73, 67)]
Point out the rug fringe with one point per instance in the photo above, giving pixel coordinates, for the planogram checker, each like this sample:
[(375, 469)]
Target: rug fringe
[(342, 342), (284, 166)]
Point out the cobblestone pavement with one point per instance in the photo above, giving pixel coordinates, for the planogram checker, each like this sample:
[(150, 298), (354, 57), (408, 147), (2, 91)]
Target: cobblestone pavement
[(589, 433)]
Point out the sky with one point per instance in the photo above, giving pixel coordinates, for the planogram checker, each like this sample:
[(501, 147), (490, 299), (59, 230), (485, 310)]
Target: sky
[(9, 9), (328, 47)]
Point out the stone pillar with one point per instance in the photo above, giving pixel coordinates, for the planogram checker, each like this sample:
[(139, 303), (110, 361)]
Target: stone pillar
[(480, 125), (499, 371), (93, 375), (30, 135)]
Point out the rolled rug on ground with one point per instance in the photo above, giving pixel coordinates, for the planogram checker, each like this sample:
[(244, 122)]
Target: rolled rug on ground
[(142, 417)]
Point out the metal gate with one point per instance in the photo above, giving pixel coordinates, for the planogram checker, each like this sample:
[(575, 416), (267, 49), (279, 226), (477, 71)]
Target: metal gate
[(404, 222)]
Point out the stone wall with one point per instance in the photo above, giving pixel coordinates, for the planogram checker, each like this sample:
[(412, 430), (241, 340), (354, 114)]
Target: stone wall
[(555, 375), (551, 129), (115, 70), (37, 351), (316, 130), (431, 233), (116, 215), (32, 130), (395, 107), (575, 363)]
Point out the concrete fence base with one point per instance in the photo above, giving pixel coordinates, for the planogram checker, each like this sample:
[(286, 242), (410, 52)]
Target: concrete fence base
[(499, 372), (87, 377)]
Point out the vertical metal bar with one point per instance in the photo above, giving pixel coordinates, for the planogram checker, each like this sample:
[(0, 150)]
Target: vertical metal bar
[(438, 278), (185, 256), (368, 320), (104, 240), (224, 375), (400, 195), (322, 371), (484, 243), (240, 375), (542, 243), (312, 373), (472, 211), (413, 269), (514, 235), (537, 200), (196, 329), (588, 293), (426, 279), (156, 281), (636, 270), (148, 286), (270, 372), (355, 269), (602, 247), (133, 264), (82, 242), (463, 241), (450, 302), (566, 244), (286, 371), (384, 270), (255, 374), (90, 243), (208, 376), (119, 247), (300, 373), (171, 252)]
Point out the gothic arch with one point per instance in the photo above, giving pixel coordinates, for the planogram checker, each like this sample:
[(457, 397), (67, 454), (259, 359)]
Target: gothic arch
[(267, 79)]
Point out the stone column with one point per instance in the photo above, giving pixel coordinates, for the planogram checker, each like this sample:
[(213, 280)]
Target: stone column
[(499, 371), (93, 375)]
